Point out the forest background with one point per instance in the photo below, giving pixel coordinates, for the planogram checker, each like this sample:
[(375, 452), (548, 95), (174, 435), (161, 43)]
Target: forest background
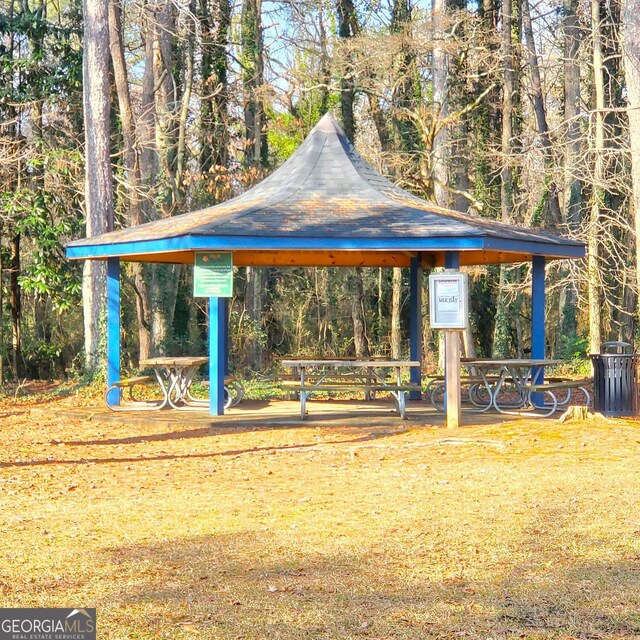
[(523, 111)]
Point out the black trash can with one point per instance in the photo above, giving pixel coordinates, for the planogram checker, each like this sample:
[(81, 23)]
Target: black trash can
[(615, 380)]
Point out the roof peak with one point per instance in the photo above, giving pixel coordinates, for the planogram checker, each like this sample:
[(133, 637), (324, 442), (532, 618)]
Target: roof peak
[(327, 192), (328, 124)]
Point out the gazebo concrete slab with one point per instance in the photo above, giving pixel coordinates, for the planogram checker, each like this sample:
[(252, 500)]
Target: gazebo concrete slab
[(255, 414)]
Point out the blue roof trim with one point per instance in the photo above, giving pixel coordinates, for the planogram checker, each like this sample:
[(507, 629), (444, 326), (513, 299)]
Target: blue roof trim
[(230, 243), (569, 248)]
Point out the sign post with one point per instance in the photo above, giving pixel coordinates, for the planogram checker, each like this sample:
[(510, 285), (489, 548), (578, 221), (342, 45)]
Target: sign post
[(449, 310), (213, 274), (213, 279)]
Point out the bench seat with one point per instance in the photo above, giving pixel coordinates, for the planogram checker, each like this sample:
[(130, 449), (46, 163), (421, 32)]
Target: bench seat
[(356, 384), (131, 404), (342, 378), (131, 382), (344, 387), (551, 388), (558, 383), (398, 392)]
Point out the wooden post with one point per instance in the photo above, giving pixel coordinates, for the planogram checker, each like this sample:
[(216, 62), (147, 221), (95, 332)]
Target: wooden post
[(113, 328), (452, 378), (453, 397)]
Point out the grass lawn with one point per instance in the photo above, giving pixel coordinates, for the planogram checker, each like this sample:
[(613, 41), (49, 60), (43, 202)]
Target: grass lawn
[(529, 529)]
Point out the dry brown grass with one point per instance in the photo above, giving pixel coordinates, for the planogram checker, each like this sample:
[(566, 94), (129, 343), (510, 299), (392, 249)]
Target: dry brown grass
[(519, 530)]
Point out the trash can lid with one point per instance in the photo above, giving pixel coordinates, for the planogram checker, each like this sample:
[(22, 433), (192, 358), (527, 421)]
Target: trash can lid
[(619, 347)]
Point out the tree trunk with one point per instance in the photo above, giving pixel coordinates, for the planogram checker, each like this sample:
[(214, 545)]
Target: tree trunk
[(356, 288), (597, 198), (256, 153), (256, 150), (127, 118), (15, 302), (254, 304), (98, 176), (572, 36), (147, 119), (132, 170), (488, 14), (163, 295), (164, 278), (573, 185), (396, 303), (347, 28), (407, 88), (182, 108), (631, 57), (440, 72), (503, 316), (539, 108), (1, 310), (215, 20), (322, 311), (325, 61), (166, 103)]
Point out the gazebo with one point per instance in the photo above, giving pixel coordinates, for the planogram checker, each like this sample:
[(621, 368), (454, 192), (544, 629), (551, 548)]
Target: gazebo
[(325, 206)]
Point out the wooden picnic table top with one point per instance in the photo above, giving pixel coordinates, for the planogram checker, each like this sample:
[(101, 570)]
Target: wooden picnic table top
[(168, 361), (350, 363)]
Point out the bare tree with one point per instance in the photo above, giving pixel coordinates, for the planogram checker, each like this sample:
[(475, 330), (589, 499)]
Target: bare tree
[(631, 56), (257, 150), (215, 21), (597, 196), (503, 320), (98, 174), (347, 28), (573, 149), (540, 110), (133, 175), (440, 104)]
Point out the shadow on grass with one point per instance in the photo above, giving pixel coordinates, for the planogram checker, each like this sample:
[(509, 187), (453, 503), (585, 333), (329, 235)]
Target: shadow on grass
[(261, 585), (239, 422), (375, 435), (12, 414)]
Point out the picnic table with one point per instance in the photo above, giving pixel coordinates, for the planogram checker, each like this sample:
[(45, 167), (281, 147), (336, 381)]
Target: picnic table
[(509, 386), (345, 374), (175, 375), (520, 373)]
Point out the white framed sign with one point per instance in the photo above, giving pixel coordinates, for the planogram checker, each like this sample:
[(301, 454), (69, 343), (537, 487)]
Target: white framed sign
[(449, 300)]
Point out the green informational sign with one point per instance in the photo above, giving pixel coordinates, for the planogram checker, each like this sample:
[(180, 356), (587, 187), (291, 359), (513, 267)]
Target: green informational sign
[(213, 274)]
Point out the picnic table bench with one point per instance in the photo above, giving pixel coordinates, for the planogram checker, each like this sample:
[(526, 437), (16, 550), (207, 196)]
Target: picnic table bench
[(340, 375), (522, 377), (551, 387), (174, 376)]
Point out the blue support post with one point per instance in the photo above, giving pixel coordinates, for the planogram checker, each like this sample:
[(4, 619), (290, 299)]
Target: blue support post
[(227, 347), (113, 328), (451, 259), (217, 352), (415, 323), (538, 321)]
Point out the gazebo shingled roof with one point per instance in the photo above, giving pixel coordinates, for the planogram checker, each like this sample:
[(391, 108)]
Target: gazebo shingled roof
[(327, 206)]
